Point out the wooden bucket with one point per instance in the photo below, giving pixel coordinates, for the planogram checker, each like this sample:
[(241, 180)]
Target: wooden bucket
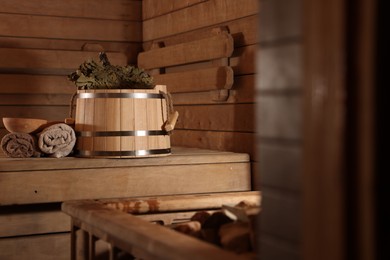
[(121, 123)]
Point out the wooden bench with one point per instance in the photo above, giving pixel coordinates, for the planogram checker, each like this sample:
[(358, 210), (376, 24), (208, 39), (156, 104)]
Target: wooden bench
[(121, 225), (32, 190)]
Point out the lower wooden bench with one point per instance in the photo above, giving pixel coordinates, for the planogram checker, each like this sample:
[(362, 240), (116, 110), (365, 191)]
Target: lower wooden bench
[(32, 225), (121, 224)]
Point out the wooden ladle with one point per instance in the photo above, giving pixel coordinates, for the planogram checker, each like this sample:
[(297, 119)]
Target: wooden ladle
[(23, 125)]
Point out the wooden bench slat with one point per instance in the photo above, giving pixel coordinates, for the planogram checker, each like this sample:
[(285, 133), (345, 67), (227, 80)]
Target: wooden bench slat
[(218, 46), (131, 233), (179, 156), (44, 247), (60, 185), (30, 222), (163, 204)]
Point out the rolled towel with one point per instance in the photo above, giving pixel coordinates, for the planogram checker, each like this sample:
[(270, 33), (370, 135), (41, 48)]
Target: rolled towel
[(57, 140), (19, 145)]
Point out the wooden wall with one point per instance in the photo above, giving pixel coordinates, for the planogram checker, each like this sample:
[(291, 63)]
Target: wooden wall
[(227, 125), (42, 41), (280, 127)]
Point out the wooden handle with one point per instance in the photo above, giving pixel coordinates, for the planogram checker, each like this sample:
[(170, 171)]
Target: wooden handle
[(170, 124)]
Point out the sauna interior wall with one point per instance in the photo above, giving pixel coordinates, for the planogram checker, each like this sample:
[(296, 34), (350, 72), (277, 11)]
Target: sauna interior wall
[(205, 123), (41, 40)]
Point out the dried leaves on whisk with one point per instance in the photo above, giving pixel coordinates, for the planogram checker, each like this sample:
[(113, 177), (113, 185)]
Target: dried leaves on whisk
[(103, 75)]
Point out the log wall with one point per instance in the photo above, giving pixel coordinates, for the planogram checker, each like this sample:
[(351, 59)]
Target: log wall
[(204, 122), (42, 41)]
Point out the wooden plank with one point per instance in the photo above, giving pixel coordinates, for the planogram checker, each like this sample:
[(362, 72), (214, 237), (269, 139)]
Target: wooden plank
[(242, 61), (35, 84), (243, 91), (243, 30), (31, 220), (152, 8), (164, 204), (324, 151), (45, 247), (180, 156), (35, 99), (59, 62), (113, 10), (217, 140), (98, 113), (197, 80), (69, 28), (51, 113), (140, 122), (74, 184), (218, 46), (131, 49), (212, 12), (79, 116), (224, 117), (131, 233), (113, 123)]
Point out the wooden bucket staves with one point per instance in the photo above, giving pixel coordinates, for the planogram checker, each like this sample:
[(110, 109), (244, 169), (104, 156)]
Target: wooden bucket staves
[(122, 123)]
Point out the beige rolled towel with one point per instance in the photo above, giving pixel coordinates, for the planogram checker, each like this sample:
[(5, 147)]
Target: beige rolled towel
[(19, 145), (57, 140)]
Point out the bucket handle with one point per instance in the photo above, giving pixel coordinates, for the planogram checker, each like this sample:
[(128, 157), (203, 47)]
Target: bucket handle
[(70, 120), (172, 115)]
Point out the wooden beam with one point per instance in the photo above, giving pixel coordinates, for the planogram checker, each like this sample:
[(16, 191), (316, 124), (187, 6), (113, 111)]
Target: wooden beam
[(324, 180)]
